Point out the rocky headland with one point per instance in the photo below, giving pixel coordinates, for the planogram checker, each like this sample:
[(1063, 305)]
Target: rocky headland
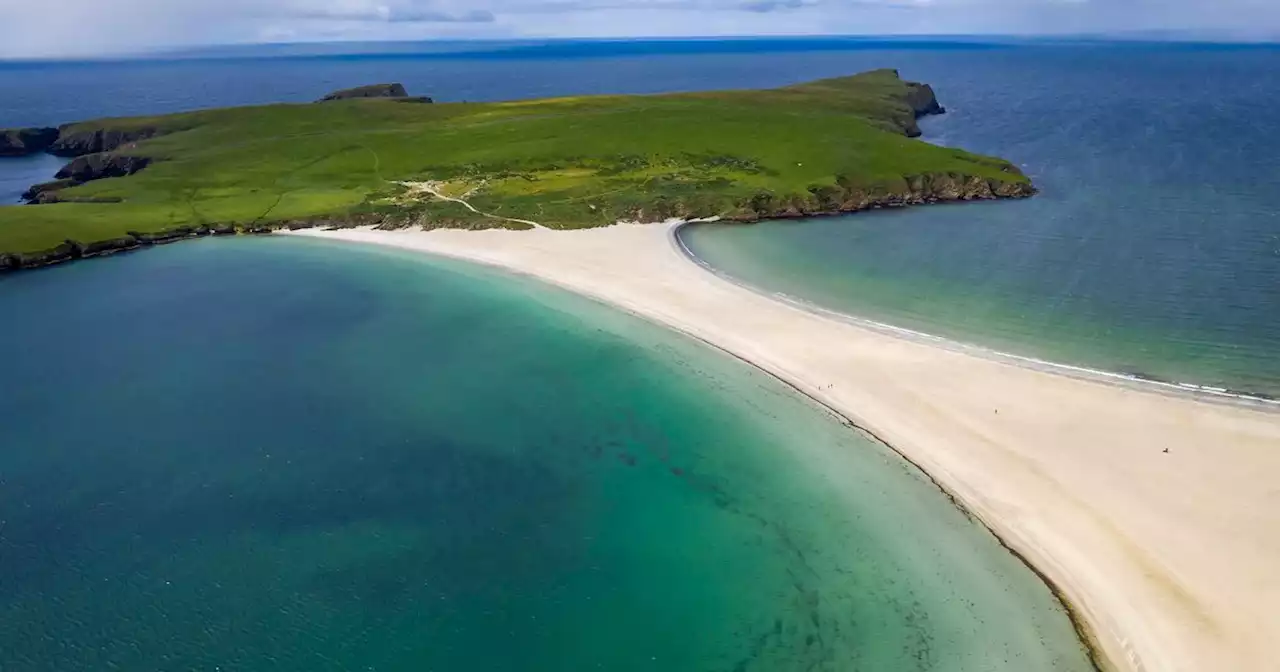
[(82, 139), (26, 141), (395, 91), (923, 102), (101, 166)]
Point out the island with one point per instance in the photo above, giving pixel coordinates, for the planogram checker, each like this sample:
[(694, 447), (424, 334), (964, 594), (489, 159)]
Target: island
[(1145, 505), (361, 157)]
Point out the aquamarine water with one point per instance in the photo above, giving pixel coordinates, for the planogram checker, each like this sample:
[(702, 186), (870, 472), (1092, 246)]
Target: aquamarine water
[(1153, 249), (280, 454)]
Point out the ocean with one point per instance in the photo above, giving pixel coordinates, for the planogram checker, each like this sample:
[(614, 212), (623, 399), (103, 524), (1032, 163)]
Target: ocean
[(283, 454), (1153, 249)]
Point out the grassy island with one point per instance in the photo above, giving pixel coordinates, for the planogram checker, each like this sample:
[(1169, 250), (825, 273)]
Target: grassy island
[(837, 145)]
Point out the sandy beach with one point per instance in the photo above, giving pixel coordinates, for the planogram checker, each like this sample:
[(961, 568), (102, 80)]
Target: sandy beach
[(1156, 515)]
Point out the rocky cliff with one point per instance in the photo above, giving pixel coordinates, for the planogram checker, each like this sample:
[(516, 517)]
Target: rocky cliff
[(923, 102), (24, 141), (101, 166), (846, 198), (77, 140), (46, 192), (71, 250), (84, 169)]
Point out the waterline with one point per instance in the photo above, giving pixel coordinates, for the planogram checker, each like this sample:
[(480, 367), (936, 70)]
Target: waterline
[(1202, 392)]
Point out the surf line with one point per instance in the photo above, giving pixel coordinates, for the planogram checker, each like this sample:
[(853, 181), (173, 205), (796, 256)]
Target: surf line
[(1200, 392)]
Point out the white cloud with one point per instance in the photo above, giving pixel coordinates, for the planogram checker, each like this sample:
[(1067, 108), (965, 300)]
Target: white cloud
[(79, 27)]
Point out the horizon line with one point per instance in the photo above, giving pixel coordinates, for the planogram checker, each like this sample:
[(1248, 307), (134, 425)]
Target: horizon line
[(211, 51)]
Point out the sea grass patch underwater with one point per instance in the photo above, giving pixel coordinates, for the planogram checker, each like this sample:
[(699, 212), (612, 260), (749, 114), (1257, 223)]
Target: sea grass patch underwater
[(333, 458)]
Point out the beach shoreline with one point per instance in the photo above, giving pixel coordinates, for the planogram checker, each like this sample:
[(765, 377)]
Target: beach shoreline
[(1137, 381), (1162, 557)]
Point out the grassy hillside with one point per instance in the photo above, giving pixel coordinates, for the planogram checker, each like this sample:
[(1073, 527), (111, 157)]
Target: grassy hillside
[(563, 162)]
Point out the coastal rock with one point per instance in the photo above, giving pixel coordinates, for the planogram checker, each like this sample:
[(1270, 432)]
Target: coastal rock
[(923, 100), (73, 141), (46, 192), (848, 197), (371, 91), (100, 166), (71, 250), (24, 141)]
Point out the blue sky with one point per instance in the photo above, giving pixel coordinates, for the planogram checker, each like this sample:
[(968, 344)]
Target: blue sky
[(89, 27)]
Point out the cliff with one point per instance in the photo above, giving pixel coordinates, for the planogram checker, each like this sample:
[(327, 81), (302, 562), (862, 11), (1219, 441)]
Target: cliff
[(848, 197), (923, 102), (80, 139), (24, 141), (46, 192), (101, 166), (922, 99), (72, 250)]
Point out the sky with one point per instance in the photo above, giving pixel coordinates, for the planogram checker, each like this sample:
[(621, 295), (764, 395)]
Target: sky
[(59, 28)]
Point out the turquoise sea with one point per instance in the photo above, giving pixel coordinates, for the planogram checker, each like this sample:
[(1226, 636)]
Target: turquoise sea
[(281, 454), (264, 454), (1153, 249)]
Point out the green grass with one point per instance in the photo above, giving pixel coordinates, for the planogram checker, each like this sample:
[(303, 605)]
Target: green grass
[(564, 162)]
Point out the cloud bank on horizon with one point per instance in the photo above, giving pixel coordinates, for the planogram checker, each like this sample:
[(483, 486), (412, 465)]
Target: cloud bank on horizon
[(89, 27)]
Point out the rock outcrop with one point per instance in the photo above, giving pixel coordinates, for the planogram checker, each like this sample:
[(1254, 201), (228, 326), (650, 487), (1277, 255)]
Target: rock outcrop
[(46, 192), (24, 141), (922, 101), (395, 92), (71, 250), (101, 166), (845, 198), (371, 91), (73, 141)]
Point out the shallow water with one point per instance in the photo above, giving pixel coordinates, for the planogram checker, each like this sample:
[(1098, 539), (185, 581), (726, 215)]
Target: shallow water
[(17, 174), (1154, 248), (297, 455)]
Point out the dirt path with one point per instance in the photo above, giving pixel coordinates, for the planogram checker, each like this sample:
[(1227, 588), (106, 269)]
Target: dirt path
[(433, 189)]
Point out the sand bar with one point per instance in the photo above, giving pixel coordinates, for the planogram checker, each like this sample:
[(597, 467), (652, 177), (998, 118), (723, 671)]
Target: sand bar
[(1171, 559)]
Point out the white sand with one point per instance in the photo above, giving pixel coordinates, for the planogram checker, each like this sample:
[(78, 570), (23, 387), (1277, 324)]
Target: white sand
[(1171, 559)]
